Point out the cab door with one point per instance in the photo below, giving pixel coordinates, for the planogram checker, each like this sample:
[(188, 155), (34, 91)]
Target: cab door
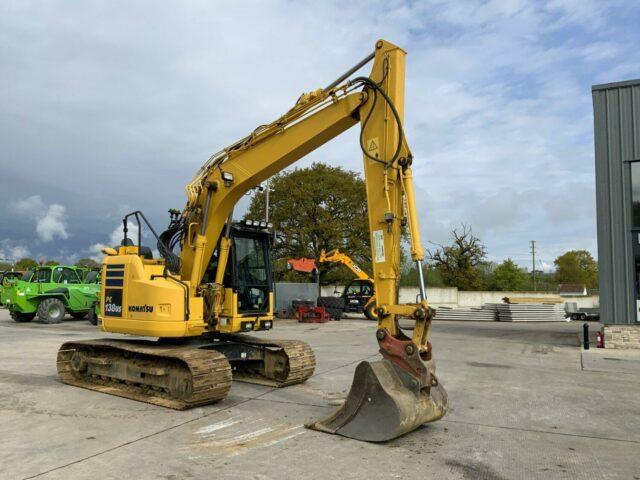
[(352, 296), (68, 276), (42, 278)]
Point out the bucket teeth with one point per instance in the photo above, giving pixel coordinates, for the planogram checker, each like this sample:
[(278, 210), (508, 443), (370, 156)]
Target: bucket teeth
[(384, 403)]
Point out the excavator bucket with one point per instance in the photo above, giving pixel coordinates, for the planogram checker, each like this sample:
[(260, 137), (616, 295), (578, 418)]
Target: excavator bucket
[(384, 403)]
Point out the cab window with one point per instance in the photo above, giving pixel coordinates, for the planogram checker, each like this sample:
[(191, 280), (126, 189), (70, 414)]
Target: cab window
[(43, 276), (367, 289), (92, 277), (354, 289), (26, 276), (65, 275), (251, 271)]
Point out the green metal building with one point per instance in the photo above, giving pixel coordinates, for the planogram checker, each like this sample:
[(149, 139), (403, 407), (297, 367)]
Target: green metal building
[(616, 109)]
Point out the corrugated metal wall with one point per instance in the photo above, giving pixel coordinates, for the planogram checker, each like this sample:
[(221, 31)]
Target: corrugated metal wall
[(616, 109), (286, 292)]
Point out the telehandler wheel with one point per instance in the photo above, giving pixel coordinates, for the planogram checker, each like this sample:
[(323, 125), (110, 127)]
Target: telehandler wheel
[(22, 317), (51, 310), (78, 315)]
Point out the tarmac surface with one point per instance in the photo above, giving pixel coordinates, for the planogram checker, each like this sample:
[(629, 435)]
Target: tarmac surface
[(525, 403)]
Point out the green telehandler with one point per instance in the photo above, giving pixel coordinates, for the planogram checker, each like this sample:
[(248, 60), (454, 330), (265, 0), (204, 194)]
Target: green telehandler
[(50, 292), (7, 279)]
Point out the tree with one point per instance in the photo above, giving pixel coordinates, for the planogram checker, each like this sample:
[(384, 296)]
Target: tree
[(461, 264), (26, 264), (577, 266), (4, 266), (508, 277), (87, 263), (315, 208), (51, 263), (430, 273)]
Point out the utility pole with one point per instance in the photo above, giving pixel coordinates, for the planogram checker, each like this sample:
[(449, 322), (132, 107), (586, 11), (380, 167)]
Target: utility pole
[(533, 264)]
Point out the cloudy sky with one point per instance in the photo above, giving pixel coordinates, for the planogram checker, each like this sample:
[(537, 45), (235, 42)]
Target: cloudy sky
[(111, 106)]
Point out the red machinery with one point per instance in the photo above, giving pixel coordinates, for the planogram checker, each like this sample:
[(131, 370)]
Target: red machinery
[(307, 314)]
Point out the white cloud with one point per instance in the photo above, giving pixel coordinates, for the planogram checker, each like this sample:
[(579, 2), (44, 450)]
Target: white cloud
[(53, 223), (31, 206), (95, 250), (10, 251), (546, 267), (118, 234), (51, 220)]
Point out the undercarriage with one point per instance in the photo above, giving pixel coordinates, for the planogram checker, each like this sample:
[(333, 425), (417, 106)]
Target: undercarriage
[(183, 374)]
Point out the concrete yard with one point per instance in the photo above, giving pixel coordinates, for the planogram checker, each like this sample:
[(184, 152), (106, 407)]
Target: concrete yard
[(521, 406)]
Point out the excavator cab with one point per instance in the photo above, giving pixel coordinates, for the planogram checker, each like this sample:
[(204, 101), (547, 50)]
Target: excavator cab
[(248, 275)]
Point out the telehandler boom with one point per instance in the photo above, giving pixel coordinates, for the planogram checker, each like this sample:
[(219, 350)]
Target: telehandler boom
[(219, 284), (336, 256)]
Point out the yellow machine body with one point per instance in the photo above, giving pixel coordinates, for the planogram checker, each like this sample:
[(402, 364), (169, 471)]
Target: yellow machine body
[(137, 299)]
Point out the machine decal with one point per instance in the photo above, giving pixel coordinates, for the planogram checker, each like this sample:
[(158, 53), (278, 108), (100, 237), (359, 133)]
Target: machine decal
[(372, 147), (378, 243), (141, 308), (113, 302)]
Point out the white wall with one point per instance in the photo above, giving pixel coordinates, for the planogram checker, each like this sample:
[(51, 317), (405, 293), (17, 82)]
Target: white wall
[(451, 297)]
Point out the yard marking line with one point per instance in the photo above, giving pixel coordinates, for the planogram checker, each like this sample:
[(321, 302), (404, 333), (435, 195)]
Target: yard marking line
[(144, 437), (531, 430), (206, 431), (285, 438), (247, 436)]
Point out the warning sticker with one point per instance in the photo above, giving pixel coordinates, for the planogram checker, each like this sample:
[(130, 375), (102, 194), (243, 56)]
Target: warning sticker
[(373, 147), (378, 244)]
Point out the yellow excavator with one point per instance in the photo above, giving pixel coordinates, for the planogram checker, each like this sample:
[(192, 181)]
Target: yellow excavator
[(359, 295), (213, 283)]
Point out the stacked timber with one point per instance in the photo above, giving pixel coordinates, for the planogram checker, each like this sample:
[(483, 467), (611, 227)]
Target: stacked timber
[(543, 300), (486, 313)]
